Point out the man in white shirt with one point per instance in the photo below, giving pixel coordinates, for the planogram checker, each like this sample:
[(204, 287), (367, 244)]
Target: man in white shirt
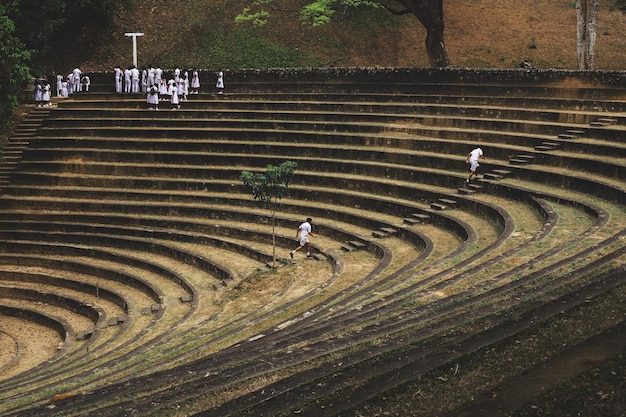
[(303, 233), (134, 80), (472, 160)]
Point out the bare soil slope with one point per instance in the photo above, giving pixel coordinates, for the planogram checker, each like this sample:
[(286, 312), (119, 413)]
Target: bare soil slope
[(479, 34)]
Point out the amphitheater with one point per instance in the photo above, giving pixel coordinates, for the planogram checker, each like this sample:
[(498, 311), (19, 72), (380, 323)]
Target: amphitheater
[(137, 275)]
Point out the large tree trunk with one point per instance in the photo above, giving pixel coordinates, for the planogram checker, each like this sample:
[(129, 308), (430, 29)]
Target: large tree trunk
[(586, 23), (430, 14)]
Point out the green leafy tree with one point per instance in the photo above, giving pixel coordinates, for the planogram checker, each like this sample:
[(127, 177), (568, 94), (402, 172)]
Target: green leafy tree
[(268, 188), (14, 69), (37, 22), (319, 12)]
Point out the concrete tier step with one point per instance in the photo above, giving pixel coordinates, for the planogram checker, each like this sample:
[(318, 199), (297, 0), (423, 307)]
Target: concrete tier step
[(466, 191), (502, 172), (553, 145), (439, 206), (417, 218), (567, 136), (16, 143), (384, 232), (521, 160), (447, 201), (608, 120), (578, 132), (411, 221), (353, 245), (493, 176), (24, 132), (603, 122), (474, 187)]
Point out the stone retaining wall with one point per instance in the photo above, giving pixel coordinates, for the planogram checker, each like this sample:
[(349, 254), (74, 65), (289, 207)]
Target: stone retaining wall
[(407, 75)]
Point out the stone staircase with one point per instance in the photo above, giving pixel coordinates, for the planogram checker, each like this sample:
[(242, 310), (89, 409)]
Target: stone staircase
[(140, 218)]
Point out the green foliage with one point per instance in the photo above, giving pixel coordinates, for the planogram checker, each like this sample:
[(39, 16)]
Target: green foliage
[(272, 185), (258, 18), (14, 68), (318, 12), (247, 48), (37, 21), (269, 187)]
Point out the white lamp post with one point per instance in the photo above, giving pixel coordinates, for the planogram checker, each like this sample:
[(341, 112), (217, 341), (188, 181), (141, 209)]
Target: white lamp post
[(134, 36)]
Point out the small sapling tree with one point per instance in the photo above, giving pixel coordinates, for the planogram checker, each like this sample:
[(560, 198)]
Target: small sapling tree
[(267, 188)]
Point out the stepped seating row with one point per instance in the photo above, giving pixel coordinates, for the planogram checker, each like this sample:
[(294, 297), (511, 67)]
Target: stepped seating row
[(435, 258)]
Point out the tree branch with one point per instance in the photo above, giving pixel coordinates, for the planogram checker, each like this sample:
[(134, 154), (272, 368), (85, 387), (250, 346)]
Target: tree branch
[(395, 11)]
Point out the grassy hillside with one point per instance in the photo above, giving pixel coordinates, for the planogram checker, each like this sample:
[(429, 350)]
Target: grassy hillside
[(479, 33)]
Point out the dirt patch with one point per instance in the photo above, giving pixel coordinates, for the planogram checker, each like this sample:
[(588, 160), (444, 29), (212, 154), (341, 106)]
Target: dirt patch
[(478, 34)]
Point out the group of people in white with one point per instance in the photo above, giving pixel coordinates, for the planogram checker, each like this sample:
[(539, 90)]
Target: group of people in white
[(74, 82), (153, 82)]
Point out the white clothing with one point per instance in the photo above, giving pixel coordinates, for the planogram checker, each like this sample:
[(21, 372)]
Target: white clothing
[(195, 80), (134, 80), (153, 96), (305, 230), (127, 77), (76, 80), (38, 95), (220, 80), (86, 82), (118, 79), (59, 84), (473, 159), (172, 91), (163, 88), (144, 81), (70, 83), (45, 95)]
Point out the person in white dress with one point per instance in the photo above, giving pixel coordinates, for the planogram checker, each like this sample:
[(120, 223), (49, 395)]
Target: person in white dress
[(153, 97), (158, 75), (220, 82), (45, 93), (144, 81), (86, 82), (173, 92), (59, 84), (185, 84), (195, 82), (163, 89), (64, 89), (38, 93), (70, 84)]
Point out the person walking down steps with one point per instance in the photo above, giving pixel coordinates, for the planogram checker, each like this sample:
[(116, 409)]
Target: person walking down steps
[(303, 233), (472, 160)]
